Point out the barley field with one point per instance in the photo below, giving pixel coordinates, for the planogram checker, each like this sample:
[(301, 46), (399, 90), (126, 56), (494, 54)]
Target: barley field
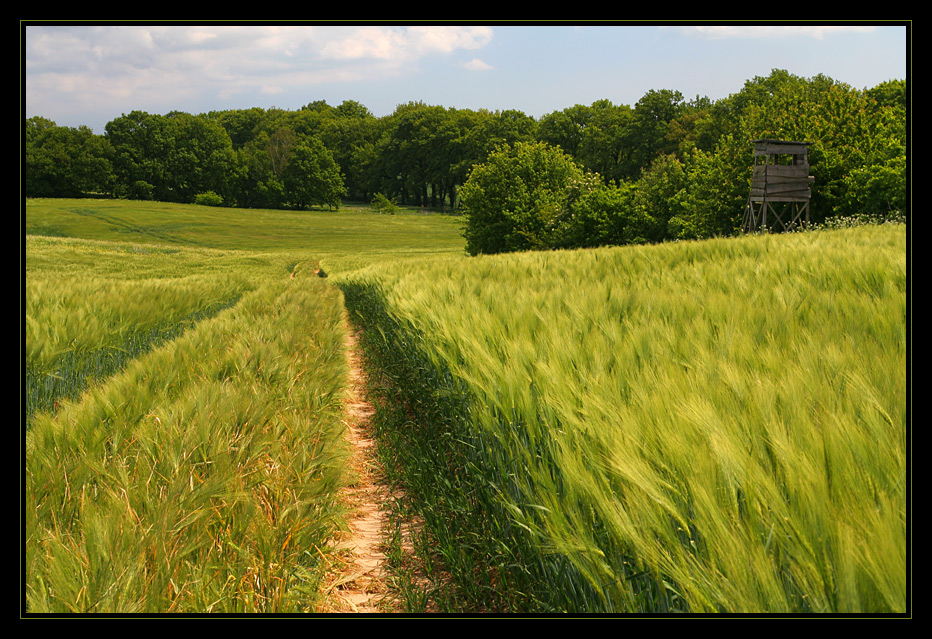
[(716, 426), (183, 372), (197, 475), (700, 427)]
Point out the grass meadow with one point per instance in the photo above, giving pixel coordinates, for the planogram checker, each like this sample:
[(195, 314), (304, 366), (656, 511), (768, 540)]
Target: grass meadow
[(716, 426)]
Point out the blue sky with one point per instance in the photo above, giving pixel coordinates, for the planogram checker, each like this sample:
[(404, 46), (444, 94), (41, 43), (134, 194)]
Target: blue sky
[(90, 74)]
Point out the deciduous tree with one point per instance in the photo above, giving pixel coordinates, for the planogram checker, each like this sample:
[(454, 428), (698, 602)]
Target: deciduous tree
[(312, 177), (519, 197), (64, 161)]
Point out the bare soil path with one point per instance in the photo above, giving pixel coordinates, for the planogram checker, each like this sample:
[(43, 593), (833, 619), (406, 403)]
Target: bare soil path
[(360, 583)]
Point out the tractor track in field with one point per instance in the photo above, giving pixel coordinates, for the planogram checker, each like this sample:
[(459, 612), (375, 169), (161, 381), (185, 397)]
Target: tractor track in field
[(361, 583), (359, 579)]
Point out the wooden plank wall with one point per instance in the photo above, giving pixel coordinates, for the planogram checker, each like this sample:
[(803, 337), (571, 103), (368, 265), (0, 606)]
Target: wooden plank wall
[(780, 183)]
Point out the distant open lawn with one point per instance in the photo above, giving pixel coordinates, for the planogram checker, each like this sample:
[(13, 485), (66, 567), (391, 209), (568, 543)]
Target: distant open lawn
[(339, 239)]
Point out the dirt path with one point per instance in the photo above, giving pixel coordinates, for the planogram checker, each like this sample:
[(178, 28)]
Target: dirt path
[(360, 585)]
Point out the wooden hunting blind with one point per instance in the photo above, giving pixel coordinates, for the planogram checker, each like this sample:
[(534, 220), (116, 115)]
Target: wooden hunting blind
[(781, 177)]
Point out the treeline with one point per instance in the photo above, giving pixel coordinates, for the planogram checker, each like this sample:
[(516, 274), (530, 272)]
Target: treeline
[(670, 167)]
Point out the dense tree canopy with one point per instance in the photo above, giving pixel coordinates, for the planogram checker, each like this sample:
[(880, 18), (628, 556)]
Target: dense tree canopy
[(312, 177), (666, 167), (520, 197), (65, 162)]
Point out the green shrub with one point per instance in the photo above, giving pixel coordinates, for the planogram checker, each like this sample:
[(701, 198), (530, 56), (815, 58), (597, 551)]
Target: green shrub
[(208, 199), (383, 204), (140, 190)]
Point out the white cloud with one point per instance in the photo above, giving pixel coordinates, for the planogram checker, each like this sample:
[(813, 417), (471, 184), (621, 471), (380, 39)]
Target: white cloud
[(477, 65), (403, 44), (164, 62)]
